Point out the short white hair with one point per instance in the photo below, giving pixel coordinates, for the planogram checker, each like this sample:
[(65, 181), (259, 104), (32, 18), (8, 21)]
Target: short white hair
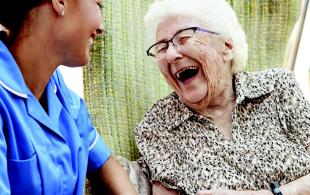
[(216, 15)]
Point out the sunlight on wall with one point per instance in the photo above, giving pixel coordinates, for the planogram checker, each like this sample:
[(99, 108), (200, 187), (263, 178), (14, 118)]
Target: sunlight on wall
[(73, 78), (302, 64)]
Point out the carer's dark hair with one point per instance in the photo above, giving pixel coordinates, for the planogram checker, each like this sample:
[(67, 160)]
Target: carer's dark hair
[(13, 14)]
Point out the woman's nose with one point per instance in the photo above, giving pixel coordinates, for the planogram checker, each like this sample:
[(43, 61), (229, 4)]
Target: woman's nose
[(172, 54)]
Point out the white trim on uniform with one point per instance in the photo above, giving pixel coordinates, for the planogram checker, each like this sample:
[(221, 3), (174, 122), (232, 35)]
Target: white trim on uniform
[(94, 143), (12, 90)]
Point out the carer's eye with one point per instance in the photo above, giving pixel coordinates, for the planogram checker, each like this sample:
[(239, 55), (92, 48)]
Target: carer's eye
[(99, 3)]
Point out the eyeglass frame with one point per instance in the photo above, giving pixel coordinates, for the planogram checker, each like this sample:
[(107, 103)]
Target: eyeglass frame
[(195, 28)]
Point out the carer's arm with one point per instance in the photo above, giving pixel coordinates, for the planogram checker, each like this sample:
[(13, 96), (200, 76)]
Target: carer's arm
[(111, 178), (106, 175), (114, 178)]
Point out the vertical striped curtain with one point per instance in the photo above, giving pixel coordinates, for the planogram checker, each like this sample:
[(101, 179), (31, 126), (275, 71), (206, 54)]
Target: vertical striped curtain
[(121, 83), (268, 25)]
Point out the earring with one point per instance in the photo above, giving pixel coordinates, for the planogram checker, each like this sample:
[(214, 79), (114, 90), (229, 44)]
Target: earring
[(62, 13)]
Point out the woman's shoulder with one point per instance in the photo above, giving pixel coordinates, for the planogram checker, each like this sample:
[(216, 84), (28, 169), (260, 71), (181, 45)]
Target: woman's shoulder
[(270, 74), (171, 100), (270, 78), (259, 83), (165, 114), (163, 108)]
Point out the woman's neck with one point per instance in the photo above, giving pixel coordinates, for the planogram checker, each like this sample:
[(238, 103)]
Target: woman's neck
[(224, 99), (220, 108), (35, 64), (220, 112)]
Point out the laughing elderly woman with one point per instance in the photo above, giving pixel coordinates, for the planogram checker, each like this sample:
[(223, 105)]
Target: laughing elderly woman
[(222, 131)]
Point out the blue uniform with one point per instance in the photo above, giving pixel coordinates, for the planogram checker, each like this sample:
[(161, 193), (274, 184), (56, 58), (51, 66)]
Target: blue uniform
[(44, 152)]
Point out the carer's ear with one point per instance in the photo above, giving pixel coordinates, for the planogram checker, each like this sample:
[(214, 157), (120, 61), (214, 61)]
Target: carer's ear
[(59, 6), (229, 50)]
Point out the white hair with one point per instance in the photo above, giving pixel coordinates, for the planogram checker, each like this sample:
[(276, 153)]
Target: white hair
[(216, 15)]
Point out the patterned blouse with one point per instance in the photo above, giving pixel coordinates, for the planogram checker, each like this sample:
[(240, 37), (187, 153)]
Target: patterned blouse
[(270, 129)]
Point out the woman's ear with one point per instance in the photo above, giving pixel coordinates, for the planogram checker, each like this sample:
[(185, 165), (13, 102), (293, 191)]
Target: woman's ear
[(229, 50), (59, 6)]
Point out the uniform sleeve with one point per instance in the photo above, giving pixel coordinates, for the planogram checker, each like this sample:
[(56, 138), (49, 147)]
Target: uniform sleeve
[(4, 178), (99, 153), (296, 110)]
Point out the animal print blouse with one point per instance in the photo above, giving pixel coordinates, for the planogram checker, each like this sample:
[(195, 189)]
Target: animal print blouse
[(271, 130)]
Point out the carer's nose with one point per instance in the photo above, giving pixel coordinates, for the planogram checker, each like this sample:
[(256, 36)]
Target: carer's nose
[(100, 29), (172, 53)]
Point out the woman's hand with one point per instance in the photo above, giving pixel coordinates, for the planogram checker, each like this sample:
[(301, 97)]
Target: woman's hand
[(233, 192), (160, 189), (299, 186)]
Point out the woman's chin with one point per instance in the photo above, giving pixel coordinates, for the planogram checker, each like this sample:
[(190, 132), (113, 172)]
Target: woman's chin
[(84, 60), (194, 99)]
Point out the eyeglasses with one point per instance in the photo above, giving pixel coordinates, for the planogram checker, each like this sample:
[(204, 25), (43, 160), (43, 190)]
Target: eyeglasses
[(181, 38)]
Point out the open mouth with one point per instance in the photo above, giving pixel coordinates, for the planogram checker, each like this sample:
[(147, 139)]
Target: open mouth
[(90, 42), (92, 39), (187, 73)]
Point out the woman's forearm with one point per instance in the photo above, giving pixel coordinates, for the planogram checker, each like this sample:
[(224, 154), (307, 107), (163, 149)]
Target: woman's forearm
[(300, 186)]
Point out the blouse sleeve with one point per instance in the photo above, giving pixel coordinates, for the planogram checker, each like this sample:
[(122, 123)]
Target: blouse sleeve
[(296, 109)]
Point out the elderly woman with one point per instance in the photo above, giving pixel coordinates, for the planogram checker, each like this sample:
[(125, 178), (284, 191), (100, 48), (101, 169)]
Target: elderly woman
[(222, 131)]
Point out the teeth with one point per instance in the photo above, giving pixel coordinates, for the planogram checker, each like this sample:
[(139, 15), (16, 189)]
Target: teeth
[(187, 68), (90, 42)]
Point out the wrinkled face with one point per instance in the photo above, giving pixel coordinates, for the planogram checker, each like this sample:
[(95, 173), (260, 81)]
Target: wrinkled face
[(194, 71), (82, 23)]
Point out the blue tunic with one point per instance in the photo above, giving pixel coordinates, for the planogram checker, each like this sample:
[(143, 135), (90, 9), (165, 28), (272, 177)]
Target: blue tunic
[(44, 152)]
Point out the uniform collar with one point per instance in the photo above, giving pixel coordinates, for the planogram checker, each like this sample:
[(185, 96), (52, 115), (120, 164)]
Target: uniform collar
[(11, 78)]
